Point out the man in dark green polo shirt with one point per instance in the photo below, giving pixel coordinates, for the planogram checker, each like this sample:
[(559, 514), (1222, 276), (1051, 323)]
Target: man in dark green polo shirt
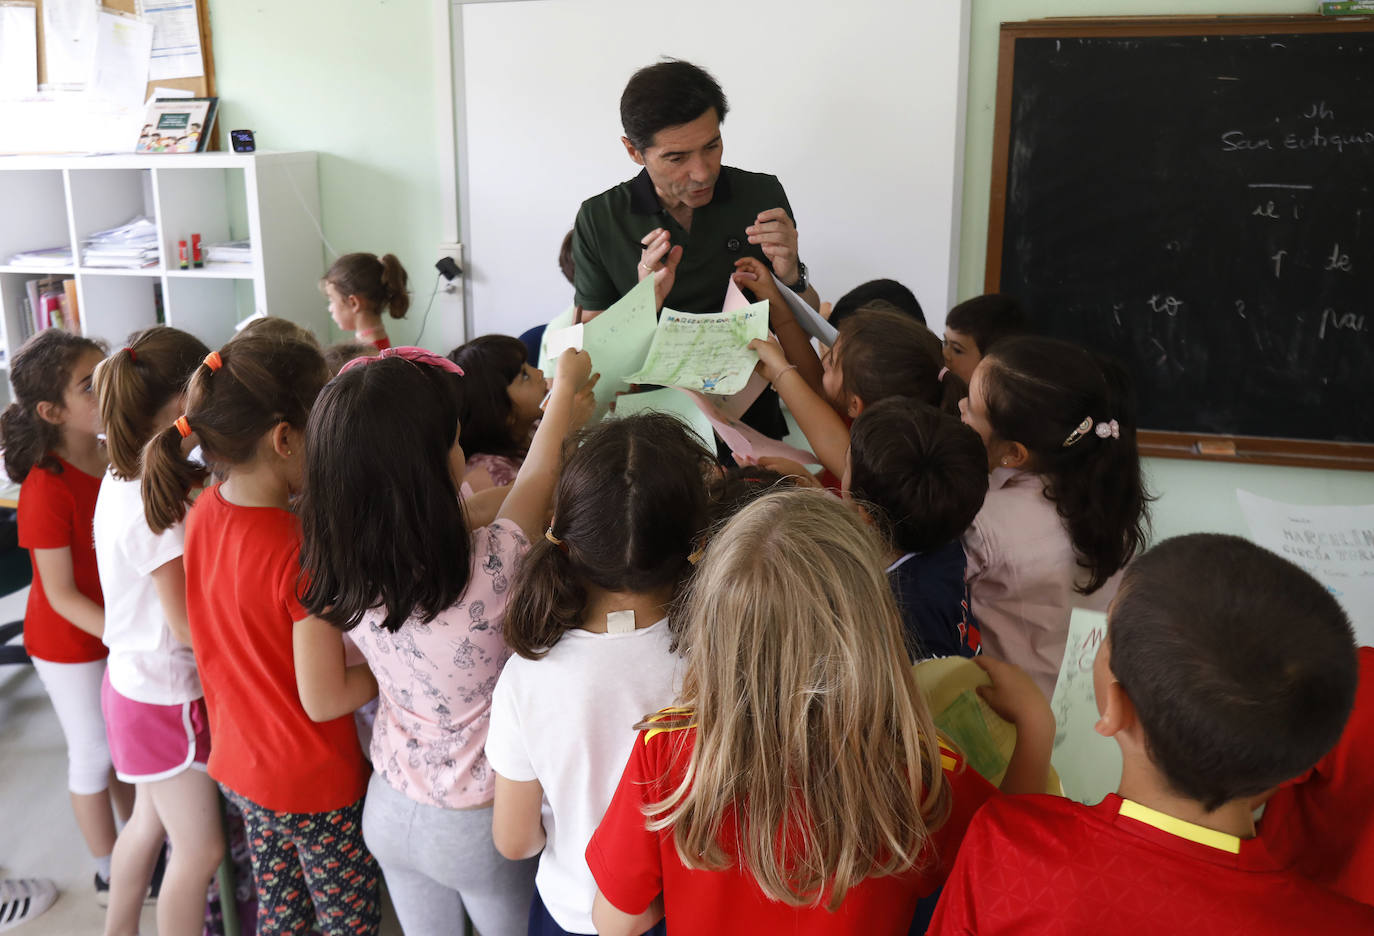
[(684, 214)]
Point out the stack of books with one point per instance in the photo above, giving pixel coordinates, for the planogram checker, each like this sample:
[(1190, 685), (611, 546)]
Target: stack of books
[(39, 259), (130, 246), (49, 302), (239, 251)]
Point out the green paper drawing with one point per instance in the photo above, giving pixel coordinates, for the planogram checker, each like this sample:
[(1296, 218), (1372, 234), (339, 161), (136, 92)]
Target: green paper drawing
[(706, 352), (670, 401)]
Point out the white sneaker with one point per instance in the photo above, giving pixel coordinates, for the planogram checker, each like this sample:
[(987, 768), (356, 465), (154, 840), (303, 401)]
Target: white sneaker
[(23, 899)]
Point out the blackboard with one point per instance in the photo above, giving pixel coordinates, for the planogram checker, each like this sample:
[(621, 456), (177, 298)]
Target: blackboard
[(1198, 201)]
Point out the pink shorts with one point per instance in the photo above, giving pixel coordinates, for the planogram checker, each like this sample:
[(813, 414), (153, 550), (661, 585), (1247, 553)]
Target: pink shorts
[(154, 742)]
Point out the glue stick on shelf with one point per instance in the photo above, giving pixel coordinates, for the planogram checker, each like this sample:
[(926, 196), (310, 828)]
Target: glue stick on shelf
[(197, 260), (182, 255)]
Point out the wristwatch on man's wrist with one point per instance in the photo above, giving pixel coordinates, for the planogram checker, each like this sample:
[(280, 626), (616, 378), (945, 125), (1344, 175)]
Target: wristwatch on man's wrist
[(800, 285)]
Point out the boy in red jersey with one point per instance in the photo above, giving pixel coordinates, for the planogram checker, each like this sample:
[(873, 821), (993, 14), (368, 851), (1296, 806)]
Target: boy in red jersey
[(1323, 822), (1226, 671)]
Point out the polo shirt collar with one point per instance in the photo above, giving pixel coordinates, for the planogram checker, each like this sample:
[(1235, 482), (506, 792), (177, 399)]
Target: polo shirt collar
[(644, 200), (1196, 841)]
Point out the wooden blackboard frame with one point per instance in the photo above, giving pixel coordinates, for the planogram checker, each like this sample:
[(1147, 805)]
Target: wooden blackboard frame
[(1225, 448)]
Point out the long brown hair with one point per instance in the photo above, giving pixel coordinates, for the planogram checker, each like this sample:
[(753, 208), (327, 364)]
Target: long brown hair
[(39, 373), (630, 503), (266, 375), (808, 719), (380, 280), (136, 382), (886, 354)]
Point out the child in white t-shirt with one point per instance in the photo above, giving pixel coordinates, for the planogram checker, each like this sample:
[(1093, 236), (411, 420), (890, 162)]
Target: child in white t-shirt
[(154, 707), (588, 622)]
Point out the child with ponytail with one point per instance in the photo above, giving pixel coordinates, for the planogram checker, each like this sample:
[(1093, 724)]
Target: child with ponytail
[(1066, 507), (589, 622), (360, 286), (390, 558), (154, 707), (49, 436), (798, 784), (299, 784)]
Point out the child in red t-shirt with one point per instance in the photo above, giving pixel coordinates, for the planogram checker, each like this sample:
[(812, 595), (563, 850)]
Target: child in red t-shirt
[(360, 286), (1226, 671), (799, 787), (1323, 822), (51, 448), (299, 784)]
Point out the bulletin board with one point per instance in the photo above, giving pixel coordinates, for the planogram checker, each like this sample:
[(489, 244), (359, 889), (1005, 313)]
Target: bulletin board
[(65, 122), (204, 86)]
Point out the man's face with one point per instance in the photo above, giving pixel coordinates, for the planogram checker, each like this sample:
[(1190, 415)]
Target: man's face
[(684, 161)]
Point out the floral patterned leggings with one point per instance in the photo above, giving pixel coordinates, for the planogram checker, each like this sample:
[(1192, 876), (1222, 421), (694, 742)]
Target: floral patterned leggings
[(312, 870)]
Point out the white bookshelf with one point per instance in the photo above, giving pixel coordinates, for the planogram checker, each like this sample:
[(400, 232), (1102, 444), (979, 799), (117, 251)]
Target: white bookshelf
[(270, 198)]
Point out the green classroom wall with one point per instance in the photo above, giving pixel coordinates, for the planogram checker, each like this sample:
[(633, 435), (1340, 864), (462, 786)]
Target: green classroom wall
[(353, 80), (295, 73)]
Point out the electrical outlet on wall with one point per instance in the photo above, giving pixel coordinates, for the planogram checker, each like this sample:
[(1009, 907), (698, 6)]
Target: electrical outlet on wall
[(455, 253)]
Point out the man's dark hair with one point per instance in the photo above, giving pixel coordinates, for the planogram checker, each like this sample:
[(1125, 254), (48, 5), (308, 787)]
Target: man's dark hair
[(924, 471), (987, 318), (1241, 666), (901, 299), (667, 94)]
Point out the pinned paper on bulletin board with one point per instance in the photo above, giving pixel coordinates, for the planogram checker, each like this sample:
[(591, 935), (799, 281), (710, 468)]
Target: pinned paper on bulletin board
[(18, 50), (92, 70)]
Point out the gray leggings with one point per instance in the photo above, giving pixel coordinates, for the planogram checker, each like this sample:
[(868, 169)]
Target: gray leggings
[(440, 862)]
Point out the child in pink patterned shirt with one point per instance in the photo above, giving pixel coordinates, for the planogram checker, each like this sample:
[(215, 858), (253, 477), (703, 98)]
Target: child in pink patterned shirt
[(389, 557)]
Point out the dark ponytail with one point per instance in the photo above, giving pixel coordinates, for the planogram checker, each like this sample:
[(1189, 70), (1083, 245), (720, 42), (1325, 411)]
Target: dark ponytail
[(135, 383), (40, 372), (887, 354), (381, 281), (1075, 412), (265, 375), (630, 504), (394, 281)]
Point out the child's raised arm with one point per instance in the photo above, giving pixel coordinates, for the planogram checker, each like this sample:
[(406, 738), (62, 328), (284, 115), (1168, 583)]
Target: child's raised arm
[(1015, 696), (754, 276), (818, 421), (530, 497)]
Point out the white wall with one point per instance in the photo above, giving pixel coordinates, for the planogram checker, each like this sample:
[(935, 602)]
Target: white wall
[(857, 108)]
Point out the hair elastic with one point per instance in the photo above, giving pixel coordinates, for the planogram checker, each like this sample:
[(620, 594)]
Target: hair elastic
[(183, 426), (1108, 428), (214, 361), (133, 358), (548, 535)]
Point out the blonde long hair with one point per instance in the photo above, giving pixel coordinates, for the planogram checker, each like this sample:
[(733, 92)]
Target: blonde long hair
[(807, 714)]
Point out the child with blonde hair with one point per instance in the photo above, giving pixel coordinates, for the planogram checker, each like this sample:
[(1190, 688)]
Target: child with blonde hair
[(798, 785), (154, 707)]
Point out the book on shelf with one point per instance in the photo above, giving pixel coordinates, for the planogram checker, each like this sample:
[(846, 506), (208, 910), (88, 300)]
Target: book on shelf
[(50, 302), (131, 246), (1347, 8), (239, 251), (44, 257)]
